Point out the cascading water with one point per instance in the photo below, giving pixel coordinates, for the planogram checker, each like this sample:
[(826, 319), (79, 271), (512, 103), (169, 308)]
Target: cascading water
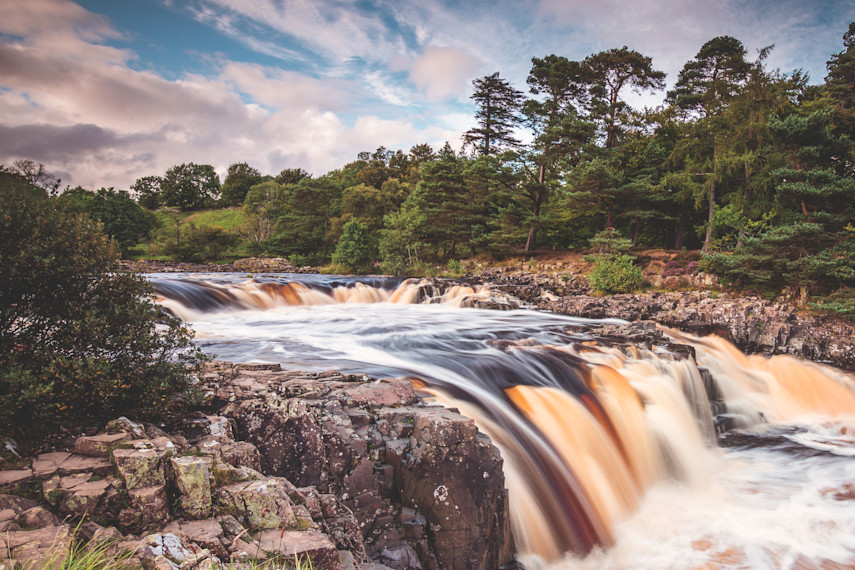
[(609, 450)]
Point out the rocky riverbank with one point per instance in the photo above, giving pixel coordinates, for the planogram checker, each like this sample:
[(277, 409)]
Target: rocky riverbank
[(247, 265), (346, 471), (754, 324)]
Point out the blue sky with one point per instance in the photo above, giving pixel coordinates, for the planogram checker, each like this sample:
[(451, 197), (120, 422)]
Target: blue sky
[(105, 91)]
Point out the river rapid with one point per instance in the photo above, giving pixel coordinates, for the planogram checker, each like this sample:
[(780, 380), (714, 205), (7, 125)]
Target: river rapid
[(614, 455)]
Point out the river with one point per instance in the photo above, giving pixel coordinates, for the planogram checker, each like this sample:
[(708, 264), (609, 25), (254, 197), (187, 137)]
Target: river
[(613, 457)]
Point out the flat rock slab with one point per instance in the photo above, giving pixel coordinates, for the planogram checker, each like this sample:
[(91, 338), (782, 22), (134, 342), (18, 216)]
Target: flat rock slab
[(99, 445), (300, 545), (63, 463), (34, 546), (11, 479)]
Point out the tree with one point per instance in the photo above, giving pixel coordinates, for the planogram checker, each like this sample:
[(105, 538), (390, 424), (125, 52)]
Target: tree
[(147, 191), (353, 250), (813, 246), (840, 84), (190, 186), (704, 88), (291, 176), (560, 132), (499, 105), (715, 75), (35, 174), (441, 197), (307, 211), (121, 218), (264, 205), (79, 338), (609, 73), (240, 177)]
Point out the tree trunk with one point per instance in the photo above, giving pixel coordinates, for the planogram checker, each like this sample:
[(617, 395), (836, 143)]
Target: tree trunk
[(532, 229), (708, 237), (681, 227), (711, 215)]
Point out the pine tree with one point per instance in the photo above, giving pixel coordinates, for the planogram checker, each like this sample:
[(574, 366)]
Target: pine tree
[(499, 105)]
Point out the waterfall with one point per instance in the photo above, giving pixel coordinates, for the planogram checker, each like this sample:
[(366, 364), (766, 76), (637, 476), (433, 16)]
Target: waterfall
[(587, 427)]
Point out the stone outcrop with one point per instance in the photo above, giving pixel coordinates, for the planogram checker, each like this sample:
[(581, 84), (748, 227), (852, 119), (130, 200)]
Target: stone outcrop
[(754, 325), (345, 471), (412, 475)]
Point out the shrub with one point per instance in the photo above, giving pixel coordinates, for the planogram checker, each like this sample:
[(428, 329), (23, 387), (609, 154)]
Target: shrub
[(455, 268), (616, 274), (353, 250), (79, 338)]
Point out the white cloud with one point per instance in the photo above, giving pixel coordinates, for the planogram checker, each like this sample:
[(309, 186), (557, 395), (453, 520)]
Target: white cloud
[(442, 72), (75, 105), (672, 31)]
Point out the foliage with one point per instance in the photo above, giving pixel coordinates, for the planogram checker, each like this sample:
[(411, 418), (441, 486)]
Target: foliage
[(189, 186), (616, 274), (147, 190), (79, 338), (353, 250), (610, 241), (121, 217), (455, 268), (840, 303), (609, 72), (498, 114), (240, 177)]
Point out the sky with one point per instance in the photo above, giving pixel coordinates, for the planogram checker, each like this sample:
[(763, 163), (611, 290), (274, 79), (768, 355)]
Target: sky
[(103, 92)]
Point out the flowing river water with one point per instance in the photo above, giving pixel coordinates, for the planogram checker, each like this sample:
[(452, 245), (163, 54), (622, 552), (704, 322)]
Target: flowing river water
[(612, 453)]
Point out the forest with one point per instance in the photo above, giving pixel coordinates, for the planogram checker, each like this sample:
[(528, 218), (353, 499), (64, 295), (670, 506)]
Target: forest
[(753, 166)]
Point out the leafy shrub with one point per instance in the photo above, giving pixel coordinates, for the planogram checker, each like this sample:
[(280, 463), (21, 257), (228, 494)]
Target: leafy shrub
[(609, 241), (455, 268), (841, 303), (616, 274), (79, 338), (353, 250)]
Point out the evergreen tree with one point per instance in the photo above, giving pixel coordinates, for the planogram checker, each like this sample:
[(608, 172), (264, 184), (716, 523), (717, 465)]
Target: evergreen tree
[(840, 84), (560, 131), (441, 197), (704, 88), (813, 246), (499, 105), (609, 72)]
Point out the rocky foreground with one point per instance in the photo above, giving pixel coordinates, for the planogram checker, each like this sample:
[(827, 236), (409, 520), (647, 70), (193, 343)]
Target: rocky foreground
[(346, 471)]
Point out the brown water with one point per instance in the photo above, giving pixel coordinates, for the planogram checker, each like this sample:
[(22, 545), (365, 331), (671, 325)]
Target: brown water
[(610, 451)]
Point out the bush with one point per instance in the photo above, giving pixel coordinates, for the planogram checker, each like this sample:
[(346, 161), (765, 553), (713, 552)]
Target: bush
[(616, 274), (353, 251), (455, 268), (79, 338)]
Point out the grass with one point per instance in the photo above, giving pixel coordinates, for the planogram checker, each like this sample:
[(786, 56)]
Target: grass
[(77, 556), (228, 218), (299, 564), (106, 556)]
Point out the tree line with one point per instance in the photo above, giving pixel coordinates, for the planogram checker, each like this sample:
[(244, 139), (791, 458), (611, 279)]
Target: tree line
[(751, 165)]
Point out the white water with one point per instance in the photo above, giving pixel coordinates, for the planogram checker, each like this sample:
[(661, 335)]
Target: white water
[(778, 500)]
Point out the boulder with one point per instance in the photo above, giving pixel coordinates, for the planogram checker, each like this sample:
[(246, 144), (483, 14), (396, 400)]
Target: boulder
[(193, 482), (300, 546), (260, 505), (151, 503), (99, 445), (35, 547), (139, 467)]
